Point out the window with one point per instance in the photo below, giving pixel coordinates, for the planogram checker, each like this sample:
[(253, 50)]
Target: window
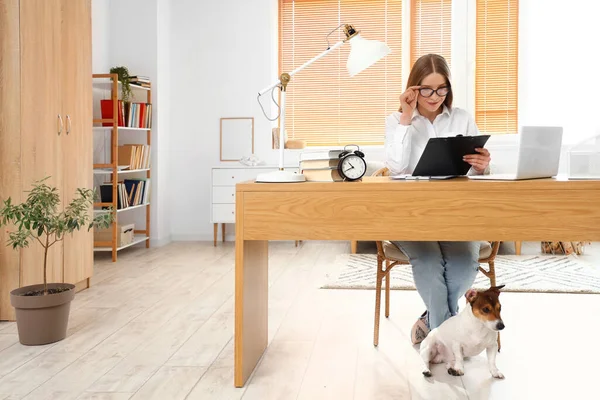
[(324, 106), (327, 108), (496, 76), (430, 29)]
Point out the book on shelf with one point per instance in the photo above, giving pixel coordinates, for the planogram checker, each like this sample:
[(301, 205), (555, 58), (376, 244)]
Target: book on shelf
[(106, 195), (139, 80), (130, 114), (137, 156), (130, 192), (140, 84)]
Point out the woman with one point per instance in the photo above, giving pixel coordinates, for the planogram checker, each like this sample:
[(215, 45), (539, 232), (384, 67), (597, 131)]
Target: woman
[(443, 271)]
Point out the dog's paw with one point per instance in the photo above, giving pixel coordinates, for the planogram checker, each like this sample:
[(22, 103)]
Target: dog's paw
[(455, 372), (497, 374), (427, 373)]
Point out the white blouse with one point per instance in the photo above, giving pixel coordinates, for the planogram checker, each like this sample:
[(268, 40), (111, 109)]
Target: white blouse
[(404, 144)]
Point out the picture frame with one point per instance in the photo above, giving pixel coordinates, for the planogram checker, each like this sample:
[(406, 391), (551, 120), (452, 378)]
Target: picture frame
[(236, 138), (275, 138)]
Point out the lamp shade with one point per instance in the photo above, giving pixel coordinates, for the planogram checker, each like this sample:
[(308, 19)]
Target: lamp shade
[(364, 53)]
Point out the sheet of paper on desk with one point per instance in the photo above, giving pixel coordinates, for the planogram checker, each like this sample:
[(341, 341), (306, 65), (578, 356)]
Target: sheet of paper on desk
[(417, 178)]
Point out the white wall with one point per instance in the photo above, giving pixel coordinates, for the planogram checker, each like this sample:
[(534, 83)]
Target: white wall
[(100, 36), (558, 65), (208, 59), (221, 56), (163, 193)]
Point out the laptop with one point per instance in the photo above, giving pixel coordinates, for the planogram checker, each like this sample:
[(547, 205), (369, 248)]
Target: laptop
[(539, 154)]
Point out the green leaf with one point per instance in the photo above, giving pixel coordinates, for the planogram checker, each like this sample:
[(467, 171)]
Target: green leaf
[(39, 217)]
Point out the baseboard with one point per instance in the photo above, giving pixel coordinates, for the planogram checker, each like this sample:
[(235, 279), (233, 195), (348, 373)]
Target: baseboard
[(195, 237), (202, 237), (160, 241), (209, 238)]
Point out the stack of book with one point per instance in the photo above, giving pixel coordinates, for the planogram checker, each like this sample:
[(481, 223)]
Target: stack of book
[(320, 165), (130, 192), (139, 80), (136, 156), (130, 115)]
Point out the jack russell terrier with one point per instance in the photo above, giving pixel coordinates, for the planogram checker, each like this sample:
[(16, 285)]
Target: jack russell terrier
[(466, 334)]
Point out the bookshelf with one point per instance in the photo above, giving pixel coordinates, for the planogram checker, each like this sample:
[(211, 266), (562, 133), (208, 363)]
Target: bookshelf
[(126, 172)]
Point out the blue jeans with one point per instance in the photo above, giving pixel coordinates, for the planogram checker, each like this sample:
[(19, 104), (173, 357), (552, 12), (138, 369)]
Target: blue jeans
[(443, 272)]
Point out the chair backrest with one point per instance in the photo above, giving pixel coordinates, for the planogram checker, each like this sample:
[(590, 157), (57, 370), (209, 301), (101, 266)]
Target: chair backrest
[(381, 172)]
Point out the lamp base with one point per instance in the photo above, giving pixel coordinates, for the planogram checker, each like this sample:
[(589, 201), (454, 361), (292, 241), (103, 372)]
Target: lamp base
[(280, 177)]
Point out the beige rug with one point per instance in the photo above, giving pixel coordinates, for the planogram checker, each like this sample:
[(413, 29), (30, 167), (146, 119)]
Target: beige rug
[(535, 273)]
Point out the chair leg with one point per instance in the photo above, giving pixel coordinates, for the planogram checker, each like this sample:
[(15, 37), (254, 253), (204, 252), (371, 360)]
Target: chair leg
[(499, 342), (216, 230), (518, 248), (492, 276), (492, 273), (380, 275), (387, 289)]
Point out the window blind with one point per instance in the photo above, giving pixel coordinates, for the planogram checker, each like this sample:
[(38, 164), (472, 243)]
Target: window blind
[(324, 106), (431, 28), (496, 77)]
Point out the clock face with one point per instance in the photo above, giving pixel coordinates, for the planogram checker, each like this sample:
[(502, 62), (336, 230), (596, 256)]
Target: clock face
[(353, 167)]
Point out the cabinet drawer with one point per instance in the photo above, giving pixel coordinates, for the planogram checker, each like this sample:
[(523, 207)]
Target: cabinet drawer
[(223, 194), (228, 176), (231, 176), (224, 213)]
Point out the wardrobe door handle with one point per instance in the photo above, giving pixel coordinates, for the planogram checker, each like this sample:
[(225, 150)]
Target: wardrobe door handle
[(60, 127), (69, 124)]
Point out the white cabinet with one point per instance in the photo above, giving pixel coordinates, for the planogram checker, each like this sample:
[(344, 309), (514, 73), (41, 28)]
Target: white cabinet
[(224, 178)]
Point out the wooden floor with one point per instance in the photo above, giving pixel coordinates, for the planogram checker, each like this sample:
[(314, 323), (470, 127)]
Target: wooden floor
[(158, 324)]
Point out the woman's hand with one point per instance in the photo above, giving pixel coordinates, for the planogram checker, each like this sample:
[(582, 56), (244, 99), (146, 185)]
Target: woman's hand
[(408, 103), (480, 161)]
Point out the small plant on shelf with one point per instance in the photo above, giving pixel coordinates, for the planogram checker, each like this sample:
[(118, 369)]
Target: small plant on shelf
[(38, 219), (124, 78)]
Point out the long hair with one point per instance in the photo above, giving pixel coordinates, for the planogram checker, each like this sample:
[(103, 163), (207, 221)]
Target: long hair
[(429, 64)]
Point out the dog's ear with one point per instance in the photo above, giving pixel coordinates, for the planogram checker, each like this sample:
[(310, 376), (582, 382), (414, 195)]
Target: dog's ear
[(496, 288), (471, 295)]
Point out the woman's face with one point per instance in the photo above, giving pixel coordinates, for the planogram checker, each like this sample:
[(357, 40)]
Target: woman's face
[(432, 81)]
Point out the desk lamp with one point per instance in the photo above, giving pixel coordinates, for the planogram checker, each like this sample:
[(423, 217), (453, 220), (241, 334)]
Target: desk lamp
[(363, 54)]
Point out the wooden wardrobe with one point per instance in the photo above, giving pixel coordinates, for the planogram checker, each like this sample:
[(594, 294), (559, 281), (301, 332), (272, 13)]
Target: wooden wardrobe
[(45, 129)]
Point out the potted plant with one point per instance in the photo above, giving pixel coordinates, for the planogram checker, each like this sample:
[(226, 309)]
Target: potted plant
[(42, 310), (123, 77), (107, 106)]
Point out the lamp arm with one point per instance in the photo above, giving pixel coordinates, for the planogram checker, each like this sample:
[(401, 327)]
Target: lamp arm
[(283, 81), (324, 53), (300, 68)]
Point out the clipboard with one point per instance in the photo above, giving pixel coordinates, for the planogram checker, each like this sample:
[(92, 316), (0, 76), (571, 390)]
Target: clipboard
[(444, 156)]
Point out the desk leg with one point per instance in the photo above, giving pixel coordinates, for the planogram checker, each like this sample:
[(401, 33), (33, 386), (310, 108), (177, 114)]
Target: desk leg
[(251, 306)]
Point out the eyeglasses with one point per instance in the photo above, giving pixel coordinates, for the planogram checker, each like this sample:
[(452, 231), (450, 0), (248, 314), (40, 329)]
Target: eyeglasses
[(441, 91)]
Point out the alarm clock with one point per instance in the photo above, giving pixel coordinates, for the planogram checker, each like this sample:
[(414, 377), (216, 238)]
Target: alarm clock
[(352, 165)]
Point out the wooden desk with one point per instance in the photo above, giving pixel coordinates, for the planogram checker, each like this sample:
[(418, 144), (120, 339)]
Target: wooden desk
[(381, 209)]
